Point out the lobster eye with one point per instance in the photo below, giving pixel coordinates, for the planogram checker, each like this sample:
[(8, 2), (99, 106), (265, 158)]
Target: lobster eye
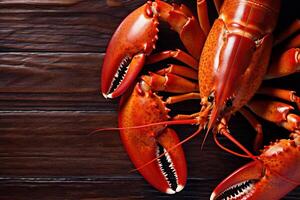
[(210, 98), (229, 103)]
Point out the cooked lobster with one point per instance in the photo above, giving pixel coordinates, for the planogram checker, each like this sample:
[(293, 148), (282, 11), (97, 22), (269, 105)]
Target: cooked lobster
[(229, 61)]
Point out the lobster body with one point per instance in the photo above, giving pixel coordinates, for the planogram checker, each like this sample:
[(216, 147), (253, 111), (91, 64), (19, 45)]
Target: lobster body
[(236, 54)]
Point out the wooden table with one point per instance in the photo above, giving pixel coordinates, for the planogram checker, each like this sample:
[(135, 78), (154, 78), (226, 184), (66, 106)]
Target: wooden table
[(51, 52)]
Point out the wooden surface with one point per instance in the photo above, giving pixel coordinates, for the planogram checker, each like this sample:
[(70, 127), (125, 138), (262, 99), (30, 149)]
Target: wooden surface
[(51, 54)]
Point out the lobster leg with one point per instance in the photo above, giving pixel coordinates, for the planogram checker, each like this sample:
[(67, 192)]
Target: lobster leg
[(186, 25), (286, 61), (276, 112), (294, 42), (218, 4), (284, 64), (183, 97), (293, 28), (183, 117), (203, 16), (179, 70), (170, 83), (280, 93), (177, 54)]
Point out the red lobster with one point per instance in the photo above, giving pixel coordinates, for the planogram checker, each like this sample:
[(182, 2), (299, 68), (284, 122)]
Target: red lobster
[(235, 59)]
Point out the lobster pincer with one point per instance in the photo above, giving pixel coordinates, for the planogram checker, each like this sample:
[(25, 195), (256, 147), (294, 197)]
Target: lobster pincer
[(275, 172), (136, 38), (271, 177), (129, 50), (168, 173)]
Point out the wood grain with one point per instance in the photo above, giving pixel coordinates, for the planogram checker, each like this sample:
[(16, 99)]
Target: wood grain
[(51, 54), (91, 188), (85, 26), (57, 143), (37, 2), (51, 81), (99, 189)]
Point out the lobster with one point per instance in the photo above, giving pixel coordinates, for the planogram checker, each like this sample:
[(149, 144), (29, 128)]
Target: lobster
[(229, 61)]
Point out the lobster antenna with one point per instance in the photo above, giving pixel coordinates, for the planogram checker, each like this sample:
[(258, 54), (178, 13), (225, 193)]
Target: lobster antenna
[(247, 156), (251, 156), (205, 137), (168, 150), (226, 133), (212, 121), (226, 149), (174, 122)]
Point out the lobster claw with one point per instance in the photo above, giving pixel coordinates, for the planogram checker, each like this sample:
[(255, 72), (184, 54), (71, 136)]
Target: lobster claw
[(272, 176), (135, 39), (127, 49), (166, 173)]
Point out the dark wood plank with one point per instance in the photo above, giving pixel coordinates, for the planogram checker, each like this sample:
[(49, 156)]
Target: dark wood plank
[(59, 26), (68, 6), (103, 189), (60, 144), (99, 189), (53, 152), (66, 81), (69, 25), (51, 53), (56, 32), (51, 81)]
